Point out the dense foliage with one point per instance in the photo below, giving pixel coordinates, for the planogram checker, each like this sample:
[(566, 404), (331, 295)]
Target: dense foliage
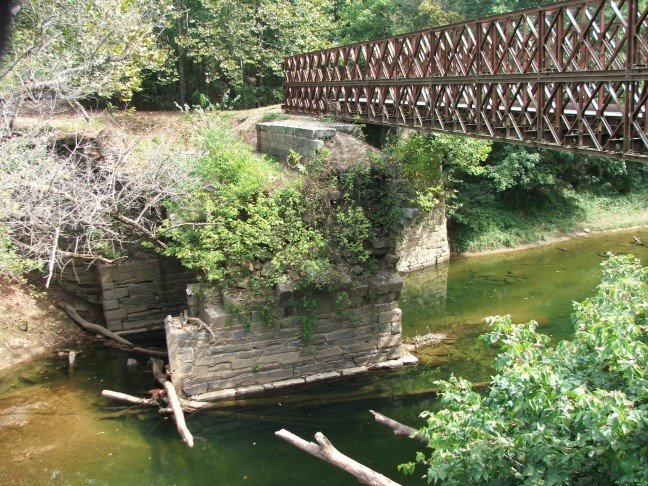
[(229, 54), (524, 195), (250, 224), (569, 414), (437, 164)]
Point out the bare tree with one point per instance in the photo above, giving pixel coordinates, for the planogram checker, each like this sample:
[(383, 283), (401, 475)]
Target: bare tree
[(86, 198), (85, 201)]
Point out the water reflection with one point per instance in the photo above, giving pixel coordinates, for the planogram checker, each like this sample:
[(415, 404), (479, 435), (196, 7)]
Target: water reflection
[(56, 429)]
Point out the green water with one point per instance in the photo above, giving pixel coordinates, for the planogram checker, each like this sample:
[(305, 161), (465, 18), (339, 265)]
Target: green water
[(56, 429)]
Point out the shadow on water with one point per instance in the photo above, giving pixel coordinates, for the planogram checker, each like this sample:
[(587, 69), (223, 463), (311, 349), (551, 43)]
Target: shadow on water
[(56, 429)]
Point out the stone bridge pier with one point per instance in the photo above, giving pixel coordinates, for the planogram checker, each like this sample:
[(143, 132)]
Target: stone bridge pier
[(236, 358)]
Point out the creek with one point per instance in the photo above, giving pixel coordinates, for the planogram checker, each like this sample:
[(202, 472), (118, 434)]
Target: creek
[(56, 429)]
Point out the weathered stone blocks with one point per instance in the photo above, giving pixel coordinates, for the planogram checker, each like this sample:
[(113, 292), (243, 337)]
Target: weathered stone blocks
[(423, 240), (302, 137), (142, 291), (346, 341)]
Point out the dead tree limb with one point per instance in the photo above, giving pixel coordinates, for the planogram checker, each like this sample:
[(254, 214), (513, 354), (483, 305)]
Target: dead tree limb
[(142, 229), (89, 326), (123, 397), (178, 414), (397, 427), (174, 401), (324, 450), (185, 319)]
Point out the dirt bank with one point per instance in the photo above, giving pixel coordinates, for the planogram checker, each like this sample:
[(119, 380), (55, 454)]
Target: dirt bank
[(548, 241), (31, 324)]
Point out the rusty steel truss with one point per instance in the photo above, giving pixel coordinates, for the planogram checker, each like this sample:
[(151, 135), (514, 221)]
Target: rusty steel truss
[(570, 75)]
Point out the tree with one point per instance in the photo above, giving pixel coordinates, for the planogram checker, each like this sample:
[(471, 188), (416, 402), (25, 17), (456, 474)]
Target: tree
[(78, 198), (241, 44), (437, 164), (372, 19), (69, 51), (574, 413)]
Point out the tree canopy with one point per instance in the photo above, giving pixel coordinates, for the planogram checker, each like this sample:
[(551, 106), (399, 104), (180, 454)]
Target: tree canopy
[(571, 413)]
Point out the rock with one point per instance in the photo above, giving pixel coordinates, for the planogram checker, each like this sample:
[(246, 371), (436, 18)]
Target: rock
[(131, 363), (266, 269)]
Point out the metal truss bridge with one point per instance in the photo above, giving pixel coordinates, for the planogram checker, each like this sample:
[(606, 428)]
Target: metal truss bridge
[(569, 75)]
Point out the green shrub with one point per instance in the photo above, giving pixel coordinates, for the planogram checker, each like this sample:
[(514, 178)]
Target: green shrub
[(437, 164), (251, 223), (575, 413)]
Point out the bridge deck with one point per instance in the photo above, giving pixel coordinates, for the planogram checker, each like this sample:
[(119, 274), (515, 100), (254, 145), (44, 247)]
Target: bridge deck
[(570, 75)]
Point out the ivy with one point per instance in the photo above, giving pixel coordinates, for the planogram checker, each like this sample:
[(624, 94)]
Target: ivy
[(307, 307)]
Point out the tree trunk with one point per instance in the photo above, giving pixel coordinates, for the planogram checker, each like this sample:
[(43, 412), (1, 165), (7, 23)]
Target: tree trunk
[(89, 326), (324, 450), (182, 84)]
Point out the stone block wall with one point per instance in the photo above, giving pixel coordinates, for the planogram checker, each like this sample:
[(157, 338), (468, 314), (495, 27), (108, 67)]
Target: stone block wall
[(80, 279), (140, 292), (306, 138), (423, 241), (242, 360)]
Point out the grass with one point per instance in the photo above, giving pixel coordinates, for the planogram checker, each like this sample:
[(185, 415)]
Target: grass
[(494, 224)]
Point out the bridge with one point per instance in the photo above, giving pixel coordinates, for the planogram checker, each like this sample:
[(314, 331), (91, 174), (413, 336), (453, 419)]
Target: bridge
[(569, 75)]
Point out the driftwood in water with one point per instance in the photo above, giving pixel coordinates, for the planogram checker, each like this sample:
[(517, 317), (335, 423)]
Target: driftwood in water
[(89, 326), (123, 397), (324, 450), (174, 402), (303, 400), (171, 404), (397, 427), (71, 359), (178, 414)]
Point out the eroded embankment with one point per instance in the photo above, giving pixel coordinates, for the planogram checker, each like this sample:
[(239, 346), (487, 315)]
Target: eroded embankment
[(30, 324)]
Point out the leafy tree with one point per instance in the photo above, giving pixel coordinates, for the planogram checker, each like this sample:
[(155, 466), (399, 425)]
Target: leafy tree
[(437, 164), (575, 413), (372, 19), (241, 44), (527, 171), (68, 51)]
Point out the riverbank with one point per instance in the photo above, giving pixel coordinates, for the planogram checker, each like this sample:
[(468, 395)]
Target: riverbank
[(551, 240), (496, 226), (31, 325)]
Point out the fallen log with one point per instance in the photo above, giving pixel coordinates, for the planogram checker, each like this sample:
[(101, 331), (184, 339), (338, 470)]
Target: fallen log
[(89, 326), (157, 367), (288, 398), (324, 450), (397, 427), (123, 397), (178, 414)]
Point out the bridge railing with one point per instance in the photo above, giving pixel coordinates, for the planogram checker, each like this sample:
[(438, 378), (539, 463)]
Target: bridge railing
[(570, 75)]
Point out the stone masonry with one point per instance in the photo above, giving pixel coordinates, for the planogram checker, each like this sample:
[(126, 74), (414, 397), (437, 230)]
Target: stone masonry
[(304, 137), (243, 360), (139, 293), (423, 241)]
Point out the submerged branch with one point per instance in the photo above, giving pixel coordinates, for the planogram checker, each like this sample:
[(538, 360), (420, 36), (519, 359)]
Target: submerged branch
[(397, 427), (325, 451)]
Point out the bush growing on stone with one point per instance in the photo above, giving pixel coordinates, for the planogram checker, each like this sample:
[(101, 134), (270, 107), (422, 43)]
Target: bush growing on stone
[(251, 223), (575, 413)]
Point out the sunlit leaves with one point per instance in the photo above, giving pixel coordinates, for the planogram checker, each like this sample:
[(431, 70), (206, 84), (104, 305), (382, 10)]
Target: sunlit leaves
[(573, 413)]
